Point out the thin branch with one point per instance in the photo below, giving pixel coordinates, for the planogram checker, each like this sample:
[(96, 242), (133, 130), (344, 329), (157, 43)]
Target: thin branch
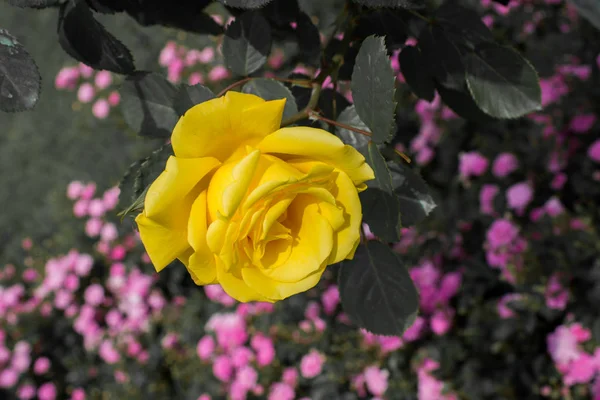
[(313, 114), (234, 85), (312, 103)]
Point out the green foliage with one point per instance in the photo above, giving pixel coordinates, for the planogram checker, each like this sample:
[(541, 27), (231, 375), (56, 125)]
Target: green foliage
[(588, 9), (20, 81), (377, 291), (270, 89), (247, 43), (373, 88), (188, 96), (417, 77)]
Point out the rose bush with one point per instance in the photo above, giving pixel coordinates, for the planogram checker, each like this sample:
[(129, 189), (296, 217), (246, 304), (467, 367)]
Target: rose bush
[(258, 209)]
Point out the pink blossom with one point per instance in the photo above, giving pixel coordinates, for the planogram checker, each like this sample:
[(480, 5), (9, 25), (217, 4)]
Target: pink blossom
[(486, 198), (519, 195), (21, 362), (281, 391), (94, 294), (501, 233), (559, 181), (441, 321), (218, 73), (580, 333), (170, 340), (67, 78), (8, 378), (109, 232), (86, 71), (290, 376), (503, 306), (207, 55), (504, 164), (241, 356), (74, 190), (247, 377), (581, 370), (376, 380), (114, 98), (416, 329), (86, 93), (47, 391), (80, 208), (204, 397), (93, 226), (30, 275), (195, 78), (311, 364), (101, 109), (108, 353), (41, 365), (103, 79), (594, 151), (78, 394), (167, 54), (582, 123), (472, 164), (175, 69), (83, 265), (554, 207), (118, 253), (562, 346), (222, 368), (424, 156), (96, 208), (230, 329), (26, 392)]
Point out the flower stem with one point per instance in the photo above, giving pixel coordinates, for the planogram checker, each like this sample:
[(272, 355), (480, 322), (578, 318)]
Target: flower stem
[(315, 115), (234, 85)]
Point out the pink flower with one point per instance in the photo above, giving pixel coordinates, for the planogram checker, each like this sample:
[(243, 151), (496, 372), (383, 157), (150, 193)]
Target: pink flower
[(414, 332), (486, 198), (281, 391), (207, 55), (118, 253), (85, 70), (80, 208), (195, 78), (563, 346), (559, 181), (83, 264), (109, 232), (247, 377), (8, 378), (78, 394), (109, 354), (93, 226), (519, 195), (167, 54), (94, 294), (101, 108), (311, 364), (26, 392), (554, 207), (501, 233), (41, 366), (504, 164), (218, 73), (222, 368), (241, 356), (581, 370), (47, 391), (67, 78), (103, 79), (290, 376), (114, 98), (503, 306), (594, 151), (441, 321), (74, 190), (204, 397), (582, 123), (174, 70), (376, 380), (96, 208), (472, 164), (21, 362), (86, 93)]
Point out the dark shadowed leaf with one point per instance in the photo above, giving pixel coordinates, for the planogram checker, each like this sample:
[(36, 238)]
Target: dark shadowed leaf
[(373, 88), (412, 192), (269, 89), (462, 25), (381, 208), (86, 40), (247, 43), (354, 139), (20, 81), (309, 41), (503, 2), (442, 57), (393, 24), (34, 3), (147, 104), (414, 69), (409, 4), (502, 83), (463, 104), (589, 9), (188, 96), (376, 290), (244, 3)]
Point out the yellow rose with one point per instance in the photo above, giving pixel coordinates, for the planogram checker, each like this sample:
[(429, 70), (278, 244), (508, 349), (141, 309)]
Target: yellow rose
[(260, 210)]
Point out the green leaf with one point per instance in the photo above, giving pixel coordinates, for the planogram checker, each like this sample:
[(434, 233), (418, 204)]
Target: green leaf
[(461, 102), (247, 43), (34, 3), (414, 69), (408, 4), (373, 88), (270, 89), (309, 41), (502, 83), (589, 9), (140, 176), (20, 81), (462, 25), (381, 207), (442, 57), (188, 96), (147, 104), (354, 139), (376, 290), (413, 194)]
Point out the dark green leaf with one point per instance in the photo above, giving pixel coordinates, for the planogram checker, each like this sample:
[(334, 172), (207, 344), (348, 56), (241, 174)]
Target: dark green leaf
[(502, 83), (463, 104), (414, 69), (269, 89), (442, 57), (409, 4), (20, 81), (462, 25), (147, 104), (309, 41), (373, 88), (376, 290), (247, 43), (189, 96), (412, 192), (381, 208), (34, 3), (86, 40), (589, 9), (354, 139), (244, 3), (393, 24)]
